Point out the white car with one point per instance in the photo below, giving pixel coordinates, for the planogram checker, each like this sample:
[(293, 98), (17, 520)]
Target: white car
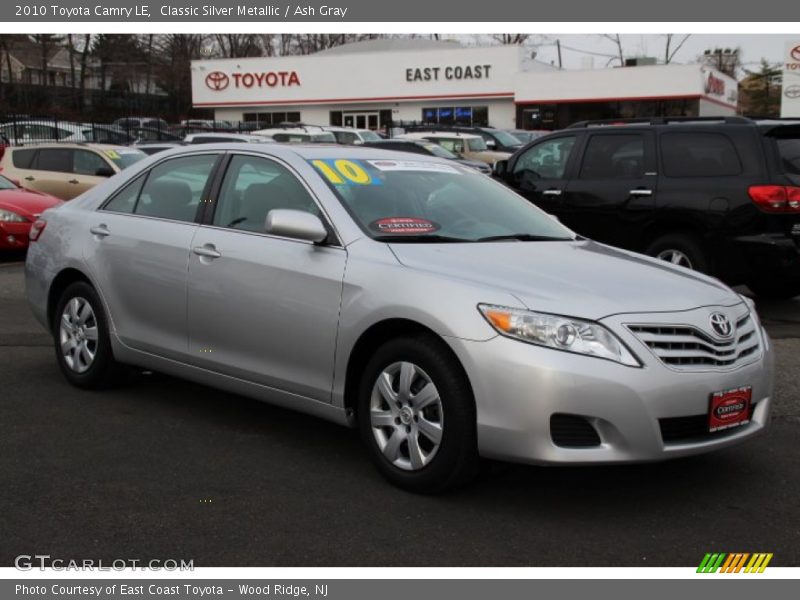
[(210, 138), (22, 133), (350, 135), (298, 135)]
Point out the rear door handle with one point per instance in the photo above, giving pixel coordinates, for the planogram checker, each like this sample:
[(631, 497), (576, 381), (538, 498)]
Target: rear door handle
[(100, 231), (551, 192), (29, 178), (207, 251), (641, 192), (73, 181)]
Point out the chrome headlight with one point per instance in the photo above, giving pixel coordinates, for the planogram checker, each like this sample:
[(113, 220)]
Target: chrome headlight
[(560, 333), (11, 217)]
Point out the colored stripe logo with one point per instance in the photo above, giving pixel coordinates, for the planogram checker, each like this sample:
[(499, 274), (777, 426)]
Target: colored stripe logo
[(737, 562)]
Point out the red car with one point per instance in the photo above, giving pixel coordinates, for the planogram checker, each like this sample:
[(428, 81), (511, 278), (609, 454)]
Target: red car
[(19, 208)]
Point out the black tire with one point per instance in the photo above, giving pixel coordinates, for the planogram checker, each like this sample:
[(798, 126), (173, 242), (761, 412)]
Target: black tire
[(456, 461), (686, 244), (775, 290), (104, 370)]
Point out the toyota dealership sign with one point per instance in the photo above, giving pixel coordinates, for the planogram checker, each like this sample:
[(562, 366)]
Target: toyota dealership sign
[(218, 81), (790, 98)]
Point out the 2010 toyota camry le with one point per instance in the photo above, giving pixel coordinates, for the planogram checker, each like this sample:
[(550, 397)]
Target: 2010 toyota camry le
[(431, 307)]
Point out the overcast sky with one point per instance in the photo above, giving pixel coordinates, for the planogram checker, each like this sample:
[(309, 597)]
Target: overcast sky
[(594, 51)]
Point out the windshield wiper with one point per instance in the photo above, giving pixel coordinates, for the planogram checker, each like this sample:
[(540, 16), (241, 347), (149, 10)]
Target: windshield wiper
[(416, 239), (524, 237)]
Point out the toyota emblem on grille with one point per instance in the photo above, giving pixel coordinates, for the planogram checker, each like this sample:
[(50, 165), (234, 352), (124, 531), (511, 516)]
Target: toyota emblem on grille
[(720, 324)]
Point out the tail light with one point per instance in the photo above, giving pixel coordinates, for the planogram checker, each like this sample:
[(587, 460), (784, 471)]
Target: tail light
[(776, 198), (37, 229)]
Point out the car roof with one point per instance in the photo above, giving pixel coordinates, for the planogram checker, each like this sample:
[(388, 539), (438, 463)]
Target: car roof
[(76, 146), (440, 134)]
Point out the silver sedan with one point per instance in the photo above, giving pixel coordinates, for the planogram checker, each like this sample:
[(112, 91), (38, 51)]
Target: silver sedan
[(428, 305)]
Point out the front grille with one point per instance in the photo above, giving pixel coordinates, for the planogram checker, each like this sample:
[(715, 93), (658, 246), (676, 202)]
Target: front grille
[(693, 428), (687, 348), (572, 431)]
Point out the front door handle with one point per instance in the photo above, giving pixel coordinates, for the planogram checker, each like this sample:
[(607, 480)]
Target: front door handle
[(29, 178), (100, 231), (73, 181), (551, 192), (207, 251), (641, 192)]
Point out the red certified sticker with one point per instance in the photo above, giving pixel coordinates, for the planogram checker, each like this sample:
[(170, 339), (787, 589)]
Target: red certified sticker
[(730, 408), (403, 225)]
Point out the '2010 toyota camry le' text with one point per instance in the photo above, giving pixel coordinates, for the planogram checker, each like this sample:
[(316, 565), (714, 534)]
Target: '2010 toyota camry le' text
[(431, 307)]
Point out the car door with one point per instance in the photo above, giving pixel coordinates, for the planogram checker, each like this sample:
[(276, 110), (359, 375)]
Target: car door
[(612, 195), (50, 172), (264, 308), (86, 164), (540, 173), (138, 249)]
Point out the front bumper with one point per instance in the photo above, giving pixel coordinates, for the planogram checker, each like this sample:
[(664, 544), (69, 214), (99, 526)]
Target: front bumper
[(518, 388)]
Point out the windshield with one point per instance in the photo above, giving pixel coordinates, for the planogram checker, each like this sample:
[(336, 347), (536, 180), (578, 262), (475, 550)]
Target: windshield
[(421, 201), (370, 136), (476, 144), (124, 158), (505, 138), (789, 150), (437, 150)]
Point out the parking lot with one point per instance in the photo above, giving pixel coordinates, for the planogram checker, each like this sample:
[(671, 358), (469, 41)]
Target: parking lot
[(162, 468)]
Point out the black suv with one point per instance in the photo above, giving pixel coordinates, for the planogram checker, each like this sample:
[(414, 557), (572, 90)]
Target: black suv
[(497, 140), (719, 195)]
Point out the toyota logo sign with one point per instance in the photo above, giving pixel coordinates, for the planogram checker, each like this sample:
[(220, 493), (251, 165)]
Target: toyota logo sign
[(795, 53), (217, 81), (792, 92), (721, 325)]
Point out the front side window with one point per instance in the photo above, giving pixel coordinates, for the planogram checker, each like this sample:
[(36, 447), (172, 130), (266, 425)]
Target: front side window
[(88, 163), (252, 187), (345, 137), (453, 145), (699, 155), (614, 157), (174, 188), (419, 201), (547, 160), (476, 144)]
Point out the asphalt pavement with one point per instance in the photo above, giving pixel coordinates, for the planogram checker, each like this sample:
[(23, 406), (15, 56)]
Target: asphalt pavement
[(162, 468)]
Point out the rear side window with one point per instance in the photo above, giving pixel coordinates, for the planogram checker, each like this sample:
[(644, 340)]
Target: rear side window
[(54, 159), (174, 188), (789, 153), (614, 157), (23, 159), (125, 200), (697, 154)]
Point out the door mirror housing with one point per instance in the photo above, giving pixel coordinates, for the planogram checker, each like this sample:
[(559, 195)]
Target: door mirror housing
[(491, 144), (501, 169), (295, 224), (104, 172)]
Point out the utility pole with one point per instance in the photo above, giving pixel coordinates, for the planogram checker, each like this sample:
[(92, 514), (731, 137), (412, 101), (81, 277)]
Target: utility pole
[(558, 46)]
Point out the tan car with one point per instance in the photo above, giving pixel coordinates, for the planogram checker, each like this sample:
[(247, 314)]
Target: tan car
[(65, 170), (465, 145)]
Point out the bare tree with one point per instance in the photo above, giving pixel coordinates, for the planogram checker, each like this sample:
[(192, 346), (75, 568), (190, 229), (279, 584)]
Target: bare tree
[(614, 37), (47, 42), (238, 45), (672, 46), (509, 39)]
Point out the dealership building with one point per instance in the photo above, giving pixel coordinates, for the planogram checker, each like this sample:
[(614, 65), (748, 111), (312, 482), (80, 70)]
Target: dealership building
[(390, 82)]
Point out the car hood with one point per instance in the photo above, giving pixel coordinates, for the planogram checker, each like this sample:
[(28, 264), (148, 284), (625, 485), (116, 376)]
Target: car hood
[(575, 278), (475, 164), (27, 203)]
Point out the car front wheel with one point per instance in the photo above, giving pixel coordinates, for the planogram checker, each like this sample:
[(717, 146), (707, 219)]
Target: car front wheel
[(680, 249), (83, 348), (417, 415)]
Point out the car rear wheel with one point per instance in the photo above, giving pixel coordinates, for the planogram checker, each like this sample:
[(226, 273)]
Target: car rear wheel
[(680, 249), (417, 415), (83, 348)]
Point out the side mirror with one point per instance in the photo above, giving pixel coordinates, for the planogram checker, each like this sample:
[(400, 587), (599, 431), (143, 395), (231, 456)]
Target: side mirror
[(490, 144), (295, 224), (104, 172), (501, 169), (358, 143)]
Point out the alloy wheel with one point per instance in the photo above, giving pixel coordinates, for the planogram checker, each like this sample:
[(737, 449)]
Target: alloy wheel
[(676, 257), (78, 335)]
